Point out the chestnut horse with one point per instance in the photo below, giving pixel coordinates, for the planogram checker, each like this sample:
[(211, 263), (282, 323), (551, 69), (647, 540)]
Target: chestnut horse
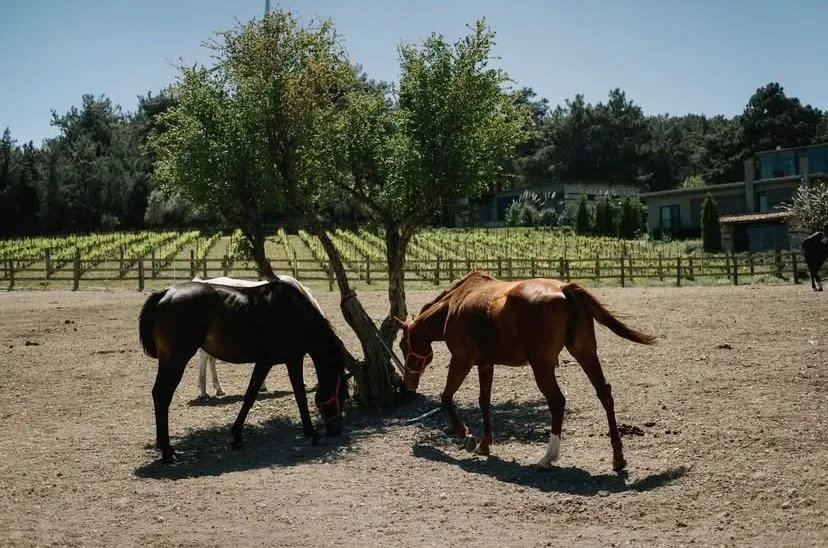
[(485, 321), (266, 324)]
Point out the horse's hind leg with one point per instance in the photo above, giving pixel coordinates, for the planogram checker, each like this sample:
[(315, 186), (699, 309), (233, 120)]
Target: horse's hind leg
[(588, 359), (259, 373), (297, 382), (170, 371), (214, 376), (544, 372), (203, 360)]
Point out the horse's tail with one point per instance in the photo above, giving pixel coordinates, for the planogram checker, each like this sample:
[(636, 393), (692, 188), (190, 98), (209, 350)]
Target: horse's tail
[(582, 300), (146, 323)]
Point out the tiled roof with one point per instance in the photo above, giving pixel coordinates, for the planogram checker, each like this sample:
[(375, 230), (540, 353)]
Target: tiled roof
[(755, 217)]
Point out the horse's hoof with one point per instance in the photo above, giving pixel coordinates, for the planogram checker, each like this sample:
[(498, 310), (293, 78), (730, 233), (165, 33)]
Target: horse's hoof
[(203, 397), (169, 456), (544, 465), (469, 443), (481, 449), (220, 393), (263, 389), (619, 464)]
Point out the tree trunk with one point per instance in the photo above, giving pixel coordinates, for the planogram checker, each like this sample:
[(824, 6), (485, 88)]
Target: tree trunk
[(256, 238), (376, 379), (396, 245)]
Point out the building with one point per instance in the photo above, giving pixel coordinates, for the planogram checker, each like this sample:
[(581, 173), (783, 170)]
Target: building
[(748, 210), (491, 209)]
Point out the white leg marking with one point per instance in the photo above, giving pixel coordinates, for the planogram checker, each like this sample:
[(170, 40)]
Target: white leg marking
[(551, 451), (214, 375), (202, 373)]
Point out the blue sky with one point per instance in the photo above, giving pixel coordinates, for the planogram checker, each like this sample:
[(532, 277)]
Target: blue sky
[(702, 56)]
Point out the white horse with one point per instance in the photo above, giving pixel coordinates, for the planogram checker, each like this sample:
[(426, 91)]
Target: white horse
[(205, 359)]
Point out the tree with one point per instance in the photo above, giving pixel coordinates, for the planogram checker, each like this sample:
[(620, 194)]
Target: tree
[(694, 181), (771, 119), (809, 205), (711, 231), (582, 220), (605, 218), (283, 120), (630, 223)]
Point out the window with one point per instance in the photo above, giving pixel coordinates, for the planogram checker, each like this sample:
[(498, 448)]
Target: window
[(780, 164), (670, 216), (818, 160), (763, 203)]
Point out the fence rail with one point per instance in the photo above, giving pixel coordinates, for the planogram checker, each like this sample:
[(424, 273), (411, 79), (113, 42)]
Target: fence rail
[(779, 265)]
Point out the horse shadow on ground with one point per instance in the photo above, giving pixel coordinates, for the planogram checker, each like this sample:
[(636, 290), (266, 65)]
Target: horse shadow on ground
[(277, 442), (213, 401), (527, 422)]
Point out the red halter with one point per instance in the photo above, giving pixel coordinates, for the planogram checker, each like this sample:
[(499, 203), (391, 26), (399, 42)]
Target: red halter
[(335, 399), (422, 357)]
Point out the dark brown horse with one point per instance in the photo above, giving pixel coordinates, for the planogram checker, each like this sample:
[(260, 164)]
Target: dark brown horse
[(815, 249), (267, 325), (485, 321)]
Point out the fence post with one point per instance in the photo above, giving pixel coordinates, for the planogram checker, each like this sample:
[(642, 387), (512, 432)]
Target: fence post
[(499, 267), (509, 267), (225, 263), (660, 270), (532, 264), (11, 274), (678, 271), (566, 266), (152, 266), (437, 272), (48, 262), (121, 264), (622, 271), (735, 270), (777, 257), (690, 268), (141, 274), (451, 270), (793, 264), (368, 270), (750, 263), (630, 259), (192, 264), (204, 267), (76, 271), (560, 268), (597, 267), (330, 277)]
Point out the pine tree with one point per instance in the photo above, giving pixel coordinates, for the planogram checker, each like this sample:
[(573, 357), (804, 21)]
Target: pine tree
[(711, 232), (582, 217)]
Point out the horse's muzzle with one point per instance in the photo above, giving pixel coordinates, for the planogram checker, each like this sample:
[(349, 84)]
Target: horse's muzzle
[(334, 427)]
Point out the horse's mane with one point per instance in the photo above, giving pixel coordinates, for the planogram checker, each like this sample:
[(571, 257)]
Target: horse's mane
[(455, 285)]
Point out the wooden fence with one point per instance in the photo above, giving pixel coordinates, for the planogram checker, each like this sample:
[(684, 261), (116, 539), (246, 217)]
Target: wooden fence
[(784, 266)]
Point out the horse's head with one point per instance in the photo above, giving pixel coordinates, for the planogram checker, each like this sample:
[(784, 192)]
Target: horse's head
[(329, 399), (418, 355)]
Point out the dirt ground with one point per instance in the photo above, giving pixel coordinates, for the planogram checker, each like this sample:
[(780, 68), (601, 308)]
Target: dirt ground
[(731, 406)]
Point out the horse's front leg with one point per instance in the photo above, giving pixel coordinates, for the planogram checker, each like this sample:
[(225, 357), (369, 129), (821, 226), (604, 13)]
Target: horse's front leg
[(486, 375), (458, 370), (297, 382), (260, 371)]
